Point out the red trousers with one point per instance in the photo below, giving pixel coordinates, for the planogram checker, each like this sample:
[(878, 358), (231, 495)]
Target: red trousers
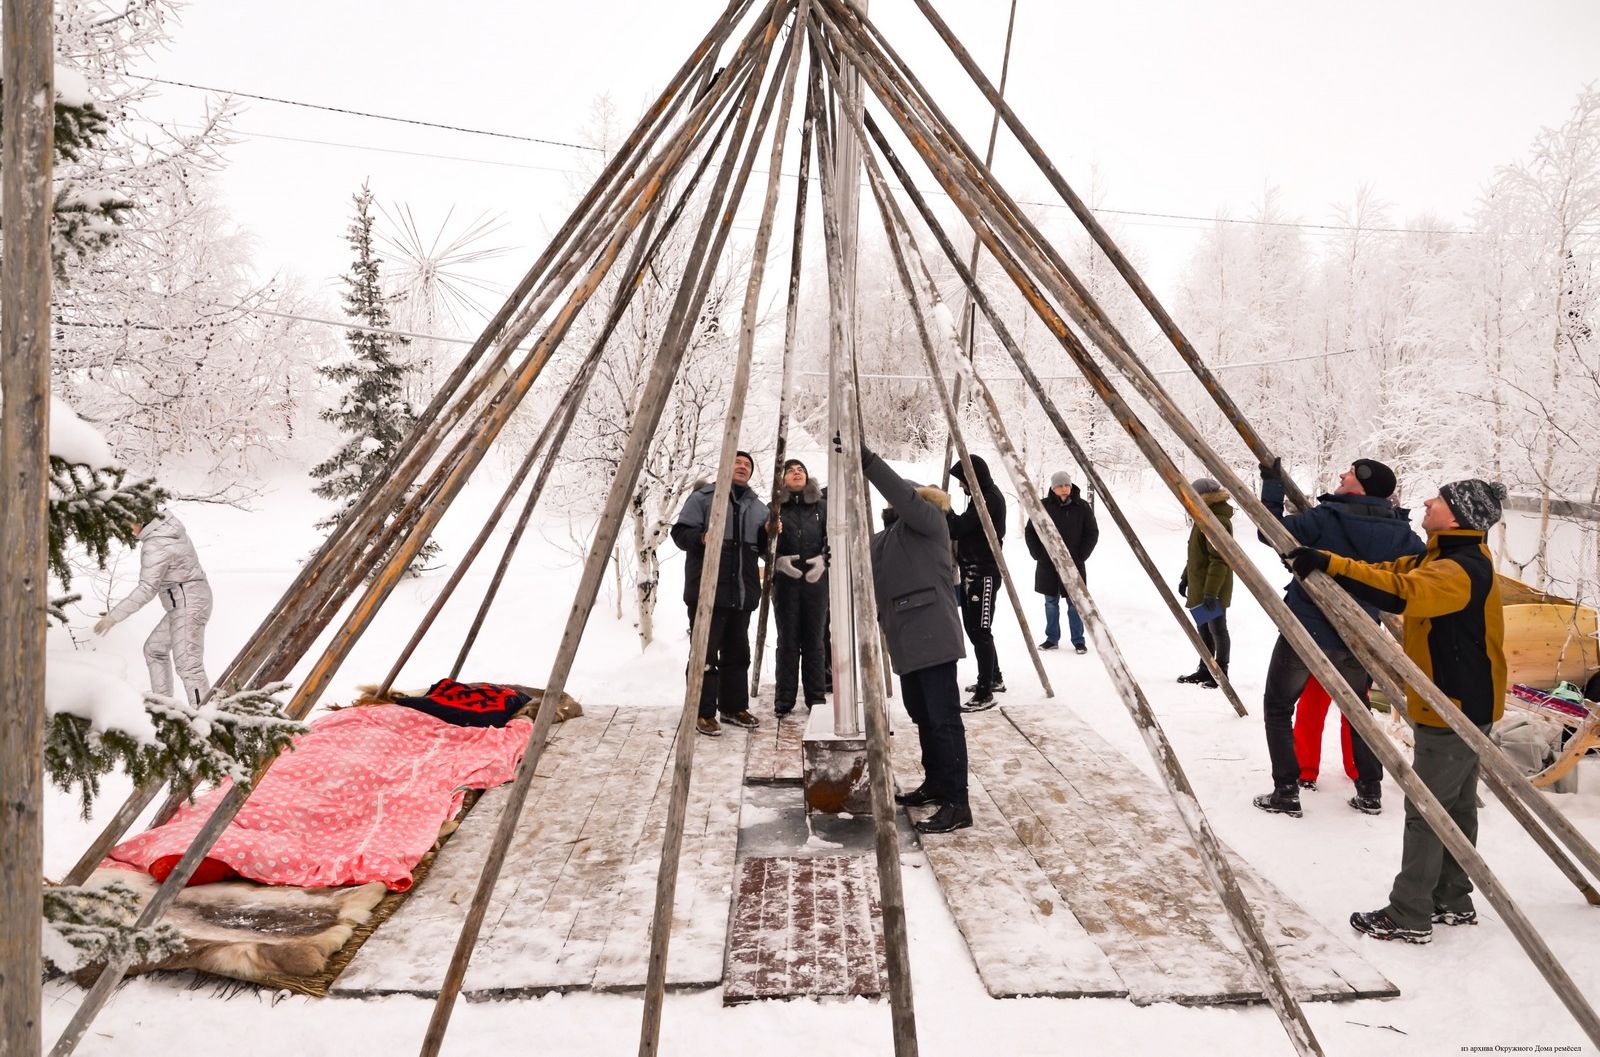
[(1309, 714)]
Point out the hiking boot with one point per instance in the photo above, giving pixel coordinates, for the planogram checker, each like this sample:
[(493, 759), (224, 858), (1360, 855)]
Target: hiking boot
[(1455, 917), (1048, 645), (1309, 783), (1380, 926), (1079, 648), (947, 819), (743, 719), (982, 701), (1281, 802), (917, 797), (998, 688), (1367, 805), (708, 726), (1199, 675)]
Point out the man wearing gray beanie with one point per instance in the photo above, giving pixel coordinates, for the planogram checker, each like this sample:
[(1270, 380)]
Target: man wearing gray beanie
[(1074, 519), (1454, 632)]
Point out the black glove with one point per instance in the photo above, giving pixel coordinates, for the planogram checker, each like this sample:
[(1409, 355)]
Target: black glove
[(1211, 602), (1272, 471), (1183, 583), (1303, 561)]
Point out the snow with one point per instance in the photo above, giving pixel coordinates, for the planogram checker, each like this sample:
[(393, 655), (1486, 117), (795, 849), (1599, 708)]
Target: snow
[(73, 439), (1471, 987), (73, 684), (72, 88)]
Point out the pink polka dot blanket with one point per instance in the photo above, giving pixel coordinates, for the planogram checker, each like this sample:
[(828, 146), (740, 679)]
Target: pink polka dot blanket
[(360, 798)]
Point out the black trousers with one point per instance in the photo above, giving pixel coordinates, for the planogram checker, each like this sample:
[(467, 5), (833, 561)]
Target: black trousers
[(978, 594), (724, 687), (932, 697), (1286, 678), (801, 612), (1214, 633)]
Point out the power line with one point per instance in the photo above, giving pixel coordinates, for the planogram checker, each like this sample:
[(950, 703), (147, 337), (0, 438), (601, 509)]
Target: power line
[(1149, 214)]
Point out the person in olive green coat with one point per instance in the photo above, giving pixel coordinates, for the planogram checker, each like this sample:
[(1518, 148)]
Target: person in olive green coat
[(1207, 584)]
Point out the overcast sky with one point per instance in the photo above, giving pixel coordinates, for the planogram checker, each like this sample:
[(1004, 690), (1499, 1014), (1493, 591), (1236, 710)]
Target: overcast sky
[(1180, 107)]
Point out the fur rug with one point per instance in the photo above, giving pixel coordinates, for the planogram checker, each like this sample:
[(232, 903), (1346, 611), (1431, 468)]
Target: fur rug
[(250, 931), (567, 708)]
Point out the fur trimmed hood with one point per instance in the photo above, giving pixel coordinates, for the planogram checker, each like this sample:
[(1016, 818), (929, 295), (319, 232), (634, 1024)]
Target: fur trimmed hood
[(811, 493), (937, 497)]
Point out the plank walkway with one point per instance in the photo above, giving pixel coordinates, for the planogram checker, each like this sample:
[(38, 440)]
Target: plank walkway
[(1063, 822), (806, 926), (571, 909), (775, 748)]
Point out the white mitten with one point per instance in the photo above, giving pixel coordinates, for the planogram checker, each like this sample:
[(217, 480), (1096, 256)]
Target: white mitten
[(103, 625), (815, 567), (785, 565)]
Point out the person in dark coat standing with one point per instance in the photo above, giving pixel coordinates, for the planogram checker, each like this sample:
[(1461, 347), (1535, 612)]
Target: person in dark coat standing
[(911, 576), (1207, 584), (1356, 521), (724, 688), (980, 578), (800, 587), (1074, 519)]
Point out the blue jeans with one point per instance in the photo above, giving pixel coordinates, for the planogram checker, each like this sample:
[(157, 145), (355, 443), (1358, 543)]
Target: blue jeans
[(1052, 620)]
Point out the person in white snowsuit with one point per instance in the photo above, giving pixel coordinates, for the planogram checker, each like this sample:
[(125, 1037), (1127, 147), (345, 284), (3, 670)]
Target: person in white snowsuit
[(169, 569)]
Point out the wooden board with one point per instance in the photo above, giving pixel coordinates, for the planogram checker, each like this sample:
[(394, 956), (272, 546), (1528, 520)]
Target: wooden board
[(1112, 843), (774, 754), (571, 909), (1548, 643), (806, 925)]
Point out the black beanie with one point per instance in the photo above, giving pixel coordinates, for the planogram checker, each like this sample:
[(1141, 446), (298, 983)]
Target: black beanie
[(1474, 502), (1377, 480), (789, 464), (747, 457)]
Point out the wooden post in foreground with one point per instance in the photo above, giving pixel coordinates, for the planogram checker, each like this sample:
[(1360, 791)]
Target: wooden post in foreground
[(27, 161)]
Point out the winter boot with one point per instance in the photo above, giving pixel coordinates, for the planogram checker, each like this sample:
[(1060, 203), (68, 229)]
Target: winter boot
[(999, 687), (1309, 783), (1368, 799), (743, 719), (1455, 917), (947, 819), (982, 701), (917, 797), (1201, 674), (1080, 648), (708, 726), (1379, 925), (1048, 645), (1284, 800)]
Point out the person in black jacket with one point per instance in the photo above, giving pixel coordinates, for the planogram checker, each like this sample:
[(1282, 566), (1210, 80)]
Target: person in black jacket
[(1074, 519), (980, 578), (1356, 521), (800, 590), (724, 687)]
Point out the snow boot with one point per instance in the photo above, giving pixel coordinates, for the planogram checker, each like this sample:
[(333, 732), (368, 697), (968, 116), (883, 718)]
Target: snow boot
[(1380, 926), (1368, 799), (999, 687), (1281, 801), (982, 701), (1199, 675), (1309, 783), (918, 797), (1455, 917), (949, 818)]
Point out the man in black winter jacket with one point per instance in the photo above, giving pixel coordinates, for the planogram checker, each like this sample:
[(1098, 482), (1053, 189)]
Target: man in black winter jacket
[(1357, 521), (724, 687), (980, 577), (1074, 519), (800, 587)]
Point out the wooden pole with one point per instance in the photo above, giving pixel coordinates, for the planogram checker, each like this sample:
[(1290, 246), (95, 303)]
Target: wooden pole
[(27, 157), (969, 319), (685, 310), (981, 215), (683, 750), (854, 548), (780, 447), (976, 294)]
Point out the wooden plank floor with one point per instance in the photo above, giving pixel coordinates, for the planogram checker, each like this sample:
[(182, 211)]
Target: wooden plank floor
[(1111, 842), (775, 748), (806, 926), (572, 906)]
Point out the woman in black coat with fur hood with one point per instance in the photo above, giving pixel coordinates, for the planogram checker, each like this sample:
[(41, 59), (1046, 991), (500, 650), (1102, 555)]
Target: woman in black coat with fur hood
[(800, 587)]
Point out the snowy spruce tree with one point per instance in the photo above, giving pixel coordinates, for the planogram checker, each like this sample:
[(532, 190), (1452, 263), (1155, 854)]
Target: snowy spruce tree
[(373, 411)]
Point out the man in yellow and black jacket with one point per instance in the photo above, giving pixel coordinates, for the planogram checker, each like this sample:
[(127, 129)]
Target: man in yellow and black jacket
[(1455, 632)]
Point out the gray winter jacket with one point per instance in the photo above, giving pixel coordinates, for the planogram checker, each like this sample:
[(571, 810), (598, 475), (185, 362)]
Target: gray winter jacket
[(912, 573), (166, 558)]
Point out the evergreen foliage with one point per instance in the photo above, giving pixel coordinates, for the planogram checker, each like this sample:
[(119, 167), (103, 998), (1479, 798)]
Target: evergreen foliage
[(373, 411), (95, 508), (90, 926), (225, 738)]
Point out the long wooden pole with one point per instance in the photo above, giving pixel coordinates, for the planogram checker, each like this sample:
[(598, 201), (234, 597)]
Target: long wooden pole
[(683, 750), (975, 292), (969, 319), (854, 548), (27, 158), (685, 310), (981, 215), (311, 592), (791, 318)]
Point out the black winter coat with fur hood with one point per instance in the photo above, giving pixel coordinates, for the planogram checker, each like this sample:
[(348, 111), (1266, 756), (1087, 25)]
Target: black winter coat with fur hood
[(805, 522)]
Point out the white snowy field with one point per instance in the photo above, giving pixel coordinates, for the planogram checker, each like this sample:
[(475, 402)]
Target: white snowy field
[(1472, 987)]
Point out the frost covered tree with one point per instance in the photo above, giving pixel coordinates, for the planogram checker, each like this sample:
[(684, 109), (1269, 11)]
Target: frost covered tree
[(373, 412)]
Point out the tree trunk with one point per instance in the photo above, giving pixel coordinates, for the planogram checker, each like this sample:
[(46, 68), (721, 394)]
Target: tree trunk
[(647, 574)]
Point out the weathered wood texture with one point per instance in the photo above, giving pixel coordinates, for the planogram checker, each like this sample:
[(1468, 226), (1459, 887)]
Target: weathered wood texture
[(775, 746), (806, 925), (1114, 847), (572, 907)]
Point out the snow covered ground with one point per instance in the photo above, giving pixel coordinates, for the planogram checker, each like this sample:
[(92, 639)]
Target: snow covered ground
[(1470, 988)]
